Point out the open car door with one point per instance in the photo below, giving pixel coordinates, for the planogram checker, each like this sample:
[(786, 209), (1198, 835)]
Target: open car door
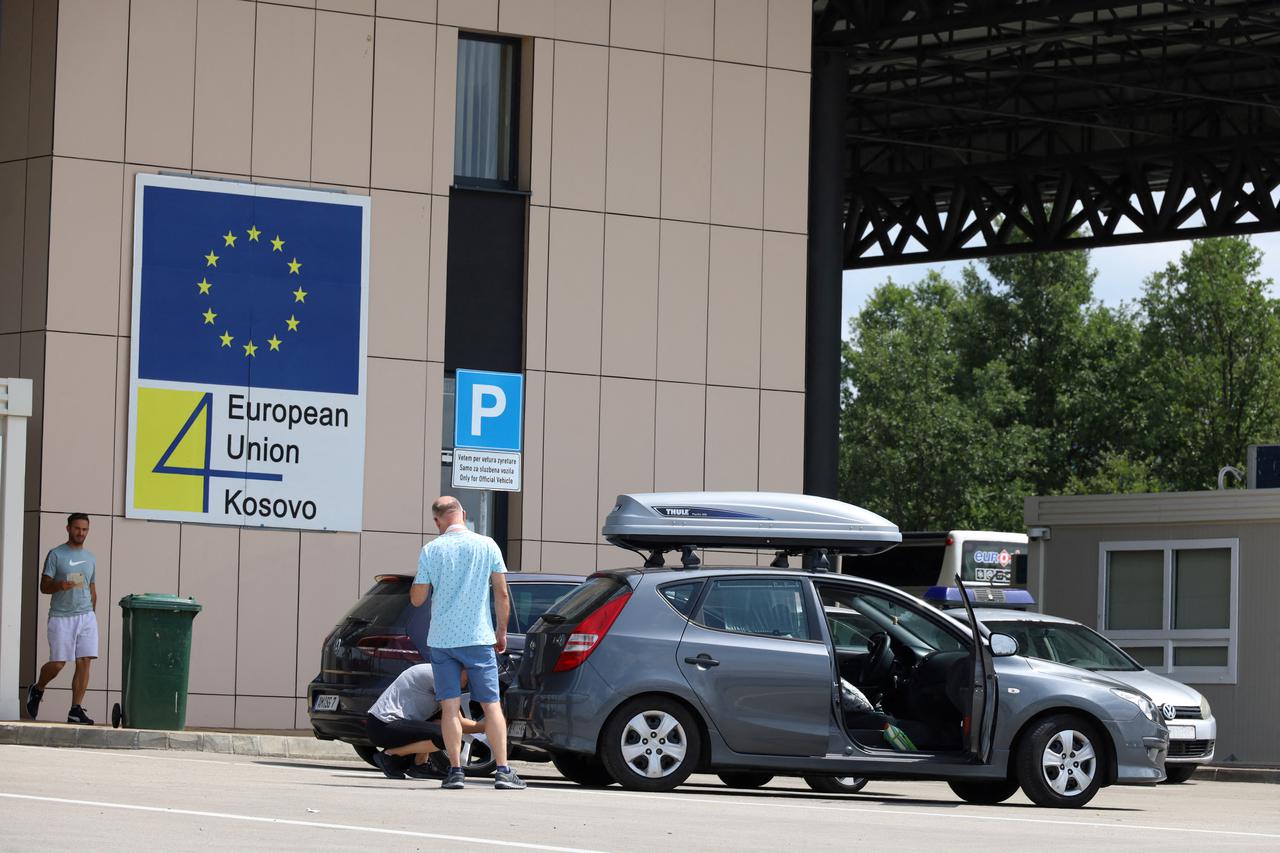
[(983, 696)]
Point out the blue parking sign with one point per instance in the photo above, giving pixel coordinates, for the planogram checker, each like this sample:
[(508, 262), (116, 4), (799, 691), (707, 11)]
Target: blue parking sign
[(488, 410)]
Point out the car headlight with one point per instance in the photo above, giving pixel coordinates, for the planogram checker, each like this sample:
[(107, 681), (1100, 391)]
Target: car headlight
[(1145, 705), (1204, 708)]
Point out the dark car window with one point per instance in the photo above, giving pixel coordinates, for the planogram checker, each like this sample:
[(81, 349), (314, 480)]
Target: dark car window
[(681, 595), (768, 606), (575, 606), (384, 605), (530, 600)]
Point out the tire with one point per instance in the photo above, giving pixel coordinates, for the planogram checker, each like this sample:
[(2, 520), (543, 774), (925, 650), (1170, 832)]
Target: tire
[(367, 753), (586, 770), (745, 779), (117, 716), (1061, 762), (985, 793), (836, 784), (480, 761), (651, 743), (1176, 774)]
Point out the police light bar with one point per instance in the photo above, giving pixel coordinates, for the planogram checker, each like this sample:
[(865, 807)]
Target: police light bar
[(979, 596), (670, 520)]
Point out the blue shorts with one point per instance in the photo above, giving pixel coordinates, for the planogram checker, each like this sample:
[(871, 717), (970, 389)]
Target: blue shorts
[(481, 664)]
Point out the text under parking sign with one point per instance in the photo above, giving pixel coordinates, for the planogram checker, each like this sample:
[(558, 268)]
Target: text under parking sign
[(488, 427)]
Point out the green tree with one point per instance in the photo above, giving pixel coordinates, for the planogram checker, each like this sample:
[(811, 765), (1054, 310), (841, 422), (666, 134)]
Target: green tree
[(926, 441), (1073, 359), (1211, 350)]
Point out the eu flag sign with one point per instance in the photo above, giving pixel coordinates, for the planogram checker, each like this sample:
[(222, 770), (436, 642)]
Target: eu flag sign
[(248, 354)]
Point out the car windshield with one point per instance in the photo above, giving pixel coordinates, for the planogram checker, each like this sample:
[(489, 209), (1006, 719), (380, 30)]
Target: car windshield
[(1064, 642)]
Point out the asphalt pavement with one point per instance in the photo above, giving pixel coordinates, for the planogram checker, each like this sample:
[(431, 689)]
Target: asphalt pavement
[(107, 800)]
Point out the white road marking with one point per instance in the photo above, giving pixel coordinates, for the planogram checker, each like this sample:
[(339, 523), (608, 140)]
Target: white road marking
[(309, 823), (755, 804)]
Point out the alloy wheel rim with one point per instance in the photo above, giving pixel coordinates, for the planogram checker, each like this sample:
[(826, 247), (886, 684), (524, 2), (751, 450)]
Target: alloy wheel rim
[(1069, 763), (653, 744)]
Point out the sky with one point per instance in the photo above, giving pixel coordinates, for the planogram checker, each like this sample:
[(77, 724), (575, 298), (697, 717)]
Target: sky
[(1121, 271)]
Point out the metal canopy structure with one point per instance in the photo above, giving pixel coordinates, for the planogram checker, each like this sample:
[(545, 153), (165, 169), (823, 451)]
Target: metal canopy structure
[(992, 126), (951, 129)]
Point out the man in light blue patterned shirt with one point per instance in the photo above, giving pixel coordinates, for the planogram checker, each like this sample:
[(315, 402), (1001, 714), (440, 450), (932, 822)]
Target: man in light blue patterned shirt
[(458, 571)]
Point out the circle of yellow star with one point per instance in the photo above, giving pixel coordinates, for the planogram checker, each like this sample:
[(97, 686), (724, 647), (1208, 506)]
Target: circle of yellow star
[(254, 233), (294, 266), (230, 239), (250, 350), (275, 343), (209, 316), (204, 284), (226, 339), (277, 245), (211, 260), (299, 295), (292, 323)]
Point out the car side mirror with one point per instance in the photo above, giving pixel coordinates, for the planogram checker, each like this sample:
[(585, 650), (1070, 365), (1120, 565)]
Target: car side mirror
[(1002, 645)]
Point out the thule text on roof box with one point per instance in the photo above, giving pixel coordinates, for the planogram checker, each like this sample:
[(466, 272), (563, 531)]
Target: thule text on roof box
[(667, 521)]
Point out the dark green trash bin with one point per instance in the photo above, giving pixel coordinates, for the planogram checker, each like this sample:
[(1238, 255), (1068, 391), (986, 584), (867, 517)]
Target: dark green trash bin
[(156, 660)]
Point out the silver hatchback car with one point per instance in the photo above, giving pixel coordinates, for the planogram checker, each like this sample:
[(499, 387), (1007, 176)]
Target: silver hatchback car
[(643, 676)]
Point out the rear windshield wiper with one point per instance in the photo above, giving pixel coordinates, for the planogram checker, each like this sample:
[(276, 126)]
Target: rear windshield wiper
[(553, 618)]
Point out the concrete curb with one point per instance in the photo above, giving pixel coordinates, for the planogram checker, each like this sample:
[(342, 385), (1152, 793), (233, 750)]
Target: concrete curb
[(1213, 773), (104, 737)]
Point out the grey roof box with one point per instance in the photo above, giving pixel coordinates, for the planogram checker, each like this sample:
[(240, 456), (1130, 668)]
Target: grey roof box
[(670, 520)]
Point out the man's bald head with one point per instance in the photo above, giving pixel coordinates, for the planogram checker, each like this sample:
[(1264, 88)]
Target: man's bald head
[(446, 511)]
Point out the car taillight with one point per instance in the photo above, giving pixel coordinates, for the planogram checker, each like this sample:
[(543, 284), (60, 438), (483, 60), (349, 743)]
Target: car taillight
[(590, 631), (392, 646)]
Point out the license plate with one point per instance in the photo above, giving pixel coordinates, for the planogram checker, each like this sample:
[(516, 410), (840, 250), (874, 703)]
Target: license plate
[(517, 729), (1182, 732), (326, 703)]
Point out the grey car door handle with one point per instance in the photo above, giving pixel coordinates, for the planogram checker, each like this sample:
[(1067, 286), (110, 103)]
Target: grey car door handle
[(703, 660)]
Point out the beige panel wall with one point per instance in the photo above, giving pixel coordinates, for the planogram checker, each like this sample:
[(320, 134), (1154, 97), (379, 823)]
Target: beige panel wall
[(664, 333)]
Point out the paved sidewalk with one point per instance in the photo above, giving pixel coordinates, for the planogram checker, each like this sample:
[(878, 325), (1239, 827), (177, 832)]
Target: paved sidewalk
[(237, 743)]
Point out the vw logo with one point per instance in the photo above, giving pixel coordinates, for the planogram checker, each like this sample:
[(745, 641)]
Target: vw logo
[(1168, 710)]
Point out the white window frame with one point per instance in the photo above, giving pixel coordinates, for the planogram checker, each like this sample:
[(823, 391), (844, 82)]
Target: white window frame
[(1167, 637)]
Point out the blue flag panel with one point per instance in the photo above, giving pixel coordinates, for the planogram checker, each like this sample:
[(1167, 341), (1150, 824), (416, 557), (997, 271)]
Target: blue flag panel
[(251, 291)]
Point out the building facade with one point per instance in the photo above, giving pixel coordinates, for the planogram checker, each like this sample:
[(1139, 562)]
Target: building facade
[(652, 161), (1185, 582)]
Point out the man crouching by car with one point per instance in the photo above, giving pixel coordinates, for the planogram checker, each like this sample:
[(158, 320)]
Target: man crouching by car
[(400, 723)]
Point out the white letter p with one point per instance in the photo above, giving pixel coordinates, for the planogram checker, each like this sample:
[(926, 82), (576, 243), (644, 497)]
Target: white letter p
[(479, 411)]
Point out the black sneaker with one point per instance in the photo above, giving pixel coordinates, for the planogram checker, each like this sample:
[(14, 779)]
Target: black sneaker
[(78, 716), (456, 780), (390, 765), (507, 780), (33, 701), (425, 771)]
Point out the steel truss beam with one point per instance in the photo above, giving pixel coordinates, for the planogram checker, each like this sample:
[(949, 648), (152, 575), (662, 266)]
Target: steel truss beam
[(1136, 197), (978, 127)]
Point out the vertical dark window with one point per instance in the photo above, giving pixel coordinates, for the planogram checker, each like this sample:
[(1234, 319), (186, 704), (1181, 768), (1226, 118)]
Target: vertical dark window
[(486, 124)]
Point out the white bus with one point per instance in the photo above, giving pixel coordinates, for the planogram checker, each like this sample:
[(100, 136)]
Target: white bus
[(991, 563)]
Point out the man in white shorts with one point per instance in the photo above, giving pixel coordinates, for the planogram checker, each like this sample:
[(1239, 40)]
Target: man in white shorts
[(68, 579)]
